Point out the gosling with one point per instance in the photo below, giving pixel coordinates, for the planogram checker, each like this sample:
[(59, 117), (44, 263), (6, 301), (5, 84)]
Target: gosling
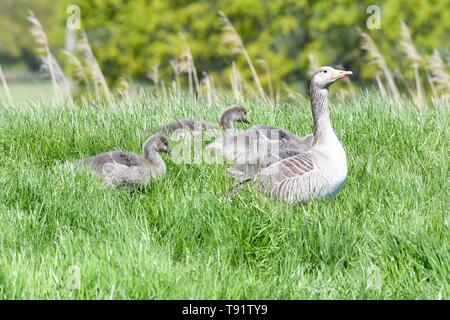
[(125, 168), (228, 117)]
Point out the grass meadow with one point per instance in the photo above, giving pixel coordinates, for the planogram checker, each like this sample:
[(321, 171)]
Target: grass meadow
[(63, 235)]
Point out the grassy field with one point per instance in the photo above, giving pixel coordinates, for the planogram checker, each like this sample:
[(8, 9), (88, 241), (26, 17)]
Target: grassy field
[(386, 234)]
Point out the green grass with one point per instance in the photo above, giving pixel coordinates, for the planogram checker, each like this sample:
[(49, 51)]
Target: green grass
[(184, 237)]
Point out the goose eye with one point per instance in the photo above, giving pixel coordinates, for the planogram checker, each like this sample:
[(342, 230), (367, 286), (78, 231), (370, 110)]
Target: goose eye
[(325, 71)]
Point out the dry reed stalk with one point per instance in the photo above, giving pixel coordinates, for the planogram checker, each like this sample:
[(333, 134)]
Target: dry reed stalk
[(231, 37), (440, 77), (277, 97), (61, 85), (176, 71), (80, 72), (209, 89), (187, 66), (266, 67), (430, 82), (377, 58), (236, 82), (5, 86), (94, 71), (413, 55), (380, 84), (154, 76)]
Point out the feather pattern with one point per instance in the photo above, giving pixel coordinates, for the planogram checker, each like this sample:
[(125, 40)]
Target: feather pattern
[(285, 178)]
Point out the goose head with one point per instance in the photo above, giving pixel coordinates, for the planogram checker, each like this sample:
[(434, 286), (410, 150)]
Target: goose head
[(156, 143), (325, 76), (232, 114)]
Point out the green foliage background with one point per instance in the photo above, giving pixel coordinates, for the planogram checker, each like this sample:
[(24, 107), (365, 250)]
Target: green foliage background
[(129, 37)]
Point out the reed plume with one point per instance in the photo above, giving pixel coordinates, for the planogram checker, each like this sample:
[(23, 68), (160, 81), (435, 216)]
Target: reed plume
[(408, 48), (231, 37), (187, 66), (79, 70), (94, 72), (236, 82), (376, 57), (440, 76), (211, 96), (61, 84)]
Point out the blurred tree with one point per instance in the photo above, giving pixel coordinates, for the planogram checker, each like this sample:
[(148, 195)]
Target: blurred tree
[(16, 43), (130, 37)]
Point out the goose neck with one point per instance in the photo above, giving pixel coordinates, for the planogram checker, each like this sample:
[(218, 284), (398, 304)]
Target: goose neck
[(323, 129), (225, 121), (154, 159)]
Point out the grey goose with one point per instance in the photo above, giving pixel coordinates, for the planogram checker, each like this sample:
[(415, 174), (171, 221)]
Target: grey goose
[(296, 174)]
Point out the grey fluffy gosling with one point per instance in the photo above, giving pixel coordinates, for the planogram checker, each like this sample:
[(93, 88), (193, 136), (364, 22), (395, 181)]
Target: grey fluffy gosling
[(235, 113), (126, 168)]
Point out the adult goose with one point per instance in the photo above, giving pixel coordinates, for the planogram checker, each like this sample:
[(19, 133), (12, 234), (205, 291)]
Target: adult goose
[(228, 117), (321, 170), (126, 168)]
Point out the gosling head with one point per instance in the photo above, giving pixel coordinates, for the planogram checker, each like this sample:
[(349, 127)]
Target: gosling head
[(232, 114), (325, 76), (156, 143)]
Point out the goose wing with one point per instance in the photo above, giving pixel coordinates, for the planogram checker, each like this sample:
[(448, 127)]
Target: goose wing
[(127, 159), (247, 171), (287, 178)]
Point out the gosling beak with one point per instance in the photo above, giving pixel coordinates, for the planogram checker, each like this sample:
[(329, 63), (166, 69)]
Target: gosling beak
[(246, 119), (339, 74), (169, 151)]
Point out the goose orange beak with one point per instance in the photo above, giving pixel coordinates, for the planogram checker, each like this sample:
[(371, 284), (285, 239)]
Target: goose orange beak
[(339, 74)]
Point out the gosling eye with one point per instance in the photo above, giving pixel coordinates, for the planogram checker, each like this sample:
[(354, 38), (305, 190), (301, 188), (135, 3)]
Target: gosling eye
[(325, 71)]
